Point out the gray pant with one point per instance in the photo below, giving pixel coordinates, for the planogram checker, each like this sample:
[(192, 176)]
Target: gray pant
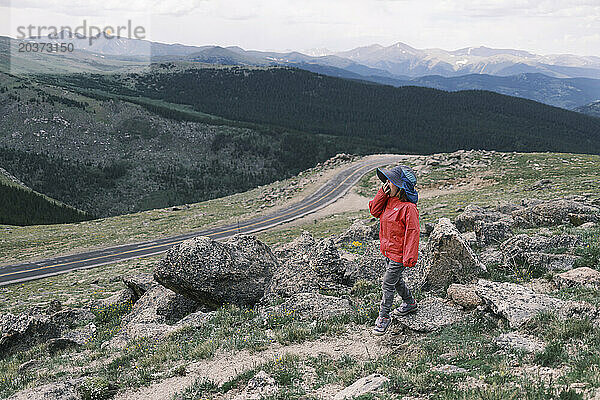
[(392, 282)]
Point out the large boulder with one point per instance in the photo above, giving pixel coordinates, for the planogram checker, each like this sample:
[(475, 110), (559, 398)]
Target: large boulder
[(519, 304), (367, 265), (540, 251), (212, 273), (308, 265), (360, 231), (555, 212), (466, 220), (447, 259)]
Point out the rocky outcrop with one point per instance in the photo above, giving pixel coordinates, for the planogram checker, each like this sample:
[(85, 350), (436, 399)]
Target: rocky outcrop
[(154, 315), (494, 232), (212, 273), (139, 284), (314, 306), (447, 259), (22, 331), (74, 338), (555, 212), (308, 265), (467, 219), (432, 314), (519, 304), (582, 276), (540, 251)]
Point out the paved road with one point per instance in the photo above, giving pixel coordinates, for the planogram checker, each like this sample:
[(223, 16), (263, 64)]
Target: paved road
[(326, 194)]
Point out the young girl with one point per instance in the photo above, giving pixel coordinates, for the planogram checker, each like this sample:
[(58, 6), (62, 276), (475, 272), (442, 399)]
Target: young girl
[(395, 206)]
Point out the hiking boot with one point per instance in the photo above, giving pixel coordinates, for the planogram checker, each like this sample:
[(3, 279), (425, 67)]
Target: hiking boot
[(405, 309), (381, 325)]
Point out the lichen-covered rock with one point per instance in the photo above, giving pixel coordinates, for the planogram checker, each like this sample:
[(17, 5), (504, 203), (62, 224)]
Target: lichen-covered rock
[(22, 331), (520, 342), (466, 220), (360, 231), (314, 306), (260, 386), (308, 265), (447, 259), (555, 212), (464, 295), (540, 251), (582, 276), (62, 390), (369, 265), (212, 273), (362, 386), (119, 300), (519, 304), (73, 338), (494, 232), (139, 284), (432, 314)]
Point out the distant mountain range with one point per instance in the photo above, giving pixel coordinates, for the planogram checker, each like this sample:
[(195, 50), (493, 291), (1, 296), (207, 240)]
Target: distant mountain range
[(561, 80), (592, 109)]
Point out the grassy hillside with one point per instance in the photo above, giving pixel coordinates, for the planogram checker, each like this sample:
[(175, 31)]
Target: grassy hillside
[(406, 119), (315, 359)]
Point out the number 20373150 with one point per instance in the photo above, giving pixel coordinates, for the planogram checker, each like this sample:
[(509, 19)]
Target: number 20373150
[(43, 47)]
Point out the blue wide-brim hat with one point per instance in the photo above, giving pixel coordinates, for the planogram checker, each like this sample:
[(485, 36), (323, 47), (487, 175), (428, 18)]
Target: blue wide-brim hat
[(403, 177)]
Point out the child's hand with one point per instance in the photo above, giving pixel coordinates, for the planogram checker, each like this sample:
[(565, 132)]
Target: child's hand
[(386, 188)]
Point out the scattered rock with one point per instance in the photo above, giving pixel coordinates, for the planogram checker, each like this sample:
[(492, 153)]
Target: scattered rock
[(492, 232), (154, 315), (308, 265), (464, 295), (260, 386), (314, 306), (212, 273), (519, 304), (20, 332), (368, 384), (520, 342), (369, 265), (466, 220), (63, 390), (582, 276), (432, 314), (447, 259), (540, 251), (123, 298), (74, 338), (360, 231), (449, 369), (139, 284), (554, 212)]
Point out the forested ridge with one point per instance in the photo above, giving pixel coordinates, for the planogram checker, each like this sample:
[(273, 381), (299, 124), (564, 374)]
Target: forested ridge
[(408, 119)]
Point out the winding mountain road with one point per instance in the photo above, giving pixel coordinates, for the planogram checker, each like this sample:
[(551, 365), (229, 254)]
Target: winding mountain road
[(335, 188)]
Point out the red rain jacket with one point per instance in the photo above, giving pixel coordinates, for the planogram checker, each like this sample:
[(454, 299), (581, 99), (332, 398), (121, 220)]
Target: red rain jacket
[(399, 228)]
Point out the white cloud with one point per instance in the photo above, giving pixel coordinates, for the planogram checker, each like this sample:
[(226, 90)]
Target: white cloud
[(538, 26)]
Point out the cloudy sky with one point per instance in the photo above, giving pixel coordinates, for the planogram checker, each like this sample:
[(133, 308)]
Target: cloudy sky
[(539, 26)]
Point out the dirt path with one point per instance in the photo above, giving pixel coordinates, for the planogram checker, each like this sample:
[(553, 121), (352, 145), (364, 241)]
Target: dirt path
[(359, 344)]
